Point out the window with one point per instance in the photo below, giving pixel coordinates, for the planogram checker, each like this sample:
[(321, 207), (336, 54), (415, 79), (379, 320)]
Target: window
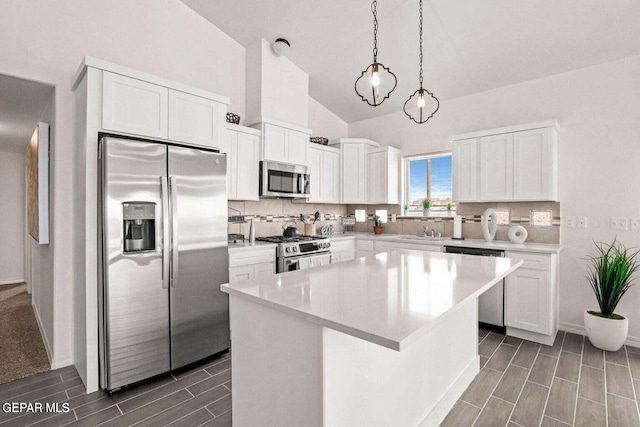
[(428, 177)]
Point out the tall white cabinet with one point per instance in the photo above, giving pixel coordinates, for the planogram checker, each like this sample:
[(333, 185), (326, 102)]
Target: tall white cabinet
[(383, 175), (518, 163), (109, 98)]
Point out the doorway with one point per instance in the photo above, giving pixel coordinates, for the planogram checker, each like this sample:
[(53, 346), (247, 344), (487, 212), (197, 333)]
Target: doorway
[(23, 352)]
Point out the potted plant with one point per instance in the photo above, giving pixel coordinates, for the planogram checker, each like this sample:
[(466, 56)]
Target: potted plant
[(426, 204), (610, 277), (449, 209), (406, 209), (377, 227)]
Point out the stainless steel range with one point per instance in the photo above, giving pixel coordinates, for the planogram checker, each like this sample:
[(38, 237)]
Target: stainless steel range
[(298, 253)]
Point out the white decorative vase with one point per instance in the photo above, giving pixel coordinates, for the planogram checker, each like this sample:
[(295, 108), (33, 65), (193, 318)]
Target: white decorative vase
[(426, 212), (489, 228), (606, 334), (517, 234)]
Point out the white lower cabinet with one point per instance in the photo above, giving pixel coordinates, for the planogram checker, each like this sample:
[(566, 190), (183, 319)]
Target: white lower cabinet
[(342, 250), (364, 247), (531, 297), (251, 262)]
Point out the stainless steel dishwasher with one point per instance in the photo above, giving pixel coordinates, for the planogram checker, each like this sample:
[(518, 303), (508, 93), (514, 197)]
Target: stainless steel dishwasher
[(490, 303)]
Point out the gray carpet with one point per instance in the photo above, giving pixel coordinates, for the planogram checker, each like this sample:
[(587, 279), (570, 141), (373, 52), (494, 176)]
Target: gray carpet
[(22, 352)]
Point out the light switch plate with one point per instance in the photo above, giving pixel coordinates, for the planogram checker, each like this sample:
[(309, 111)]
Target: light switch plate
[(570, 222), (635, 224), (616, 223), (581, 222)]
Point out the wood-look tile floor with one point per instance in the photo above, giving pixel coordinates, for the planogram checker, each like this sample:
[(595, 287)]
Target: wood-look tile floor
[(520, 384), (568, 384), (200, 395)]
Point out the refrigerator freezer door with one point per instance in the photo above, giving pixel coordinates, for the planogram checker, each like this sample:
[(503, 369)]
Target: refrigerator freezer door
[(199, 310), (134, 319)]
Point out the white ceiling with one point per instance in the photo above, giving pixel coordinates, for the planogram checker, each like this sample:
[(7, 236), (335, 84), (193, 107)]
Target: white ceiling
[(21, 105), (469, 46)]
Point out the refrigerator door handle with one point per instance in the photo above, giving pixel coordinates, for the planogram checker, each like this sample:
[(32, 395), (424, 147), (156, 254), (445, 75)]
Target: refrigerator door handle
[(164, 187), (174, 232)]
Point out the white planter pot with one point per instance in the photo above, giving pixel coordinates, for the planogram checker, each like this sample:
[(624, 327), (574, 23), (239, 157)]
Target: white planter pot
[(606, 334), (426, 212)]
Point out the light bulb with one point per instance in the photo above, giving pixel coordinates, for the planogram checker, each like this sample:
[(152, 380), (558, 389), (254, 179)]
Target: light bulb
[(421, 100), (375, 79)]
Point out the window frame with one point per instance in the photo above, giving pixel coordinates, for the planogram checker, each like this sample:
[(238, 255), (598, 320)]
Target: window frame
[(406, 187)]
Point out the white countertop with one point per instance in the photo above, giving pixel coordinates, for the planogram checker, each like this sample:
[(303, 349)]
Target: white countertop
[(233, 247), (389, 299)]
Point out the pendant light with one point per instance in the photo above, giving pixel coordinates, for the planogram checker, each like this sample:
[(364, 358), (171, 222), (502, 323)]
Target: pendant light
[(422, 105), (376, 82)]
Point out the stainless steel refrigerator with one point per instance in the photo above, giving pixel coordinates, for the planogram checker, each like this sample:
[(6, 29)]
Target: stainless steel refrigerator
[(164, 255)]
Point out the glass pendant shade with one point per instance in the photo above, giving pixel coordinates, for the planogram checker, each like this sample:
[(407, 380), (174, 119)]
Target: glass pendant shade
[(421, 106), (375, 84)]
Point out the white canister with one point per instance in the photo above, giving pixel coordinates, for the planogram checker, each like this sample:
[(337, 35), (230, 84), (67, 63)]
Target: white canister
[(457, 227)]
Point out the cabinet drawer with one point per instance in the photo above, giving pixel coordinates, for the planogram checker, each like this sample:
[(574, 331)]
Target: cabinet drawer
[(241, 258), (531, 261)]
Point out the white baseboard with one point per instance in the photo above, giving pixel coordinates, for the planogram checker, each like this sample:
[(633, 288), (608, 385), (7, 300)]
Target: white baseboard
[(47, 346), (579, 329), (61, 363), (12, 281)]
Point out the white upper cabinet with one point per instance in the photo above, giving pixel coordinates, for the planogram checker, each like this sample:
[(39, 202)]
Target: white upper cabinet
[(284, 143), (242, 146), (353, 168), (196, 120), (144, 105), (383, 175), (324, 163), (535, 165), (515, 163), (465, 170), (496, 167), (134, 106)]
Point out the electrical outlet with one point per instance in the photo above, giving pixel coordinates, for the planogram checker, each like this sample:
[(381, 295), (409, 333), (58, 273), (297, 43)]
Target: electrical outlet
[(570, 222), (393, 217), (635, 224), (618, 223), (581, 222)]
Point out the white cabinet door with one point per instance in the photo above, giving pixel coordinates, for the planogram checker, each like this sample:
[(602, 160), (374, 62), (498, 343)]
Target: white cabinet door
[(276, 144), (331, 177), (496, 170), (195, 120), (230, 148), (465, 170), (364, 247), (248, 166), (264, 269), (528, 297), (316, 172), (376, 177), (134, 106), (354, 172), (298, 144), (534, 165)]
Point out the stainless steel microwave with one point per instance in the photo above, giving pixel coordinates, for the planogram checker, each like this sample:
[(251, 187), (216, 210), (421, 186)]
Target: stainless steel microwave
[(283, 180)]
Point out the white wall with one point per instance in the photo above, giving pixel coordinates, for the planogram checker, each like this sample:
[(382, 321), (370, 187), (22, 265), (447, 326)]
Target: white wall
[(325, 123), (598, 111), (12, 212), (46, 41)]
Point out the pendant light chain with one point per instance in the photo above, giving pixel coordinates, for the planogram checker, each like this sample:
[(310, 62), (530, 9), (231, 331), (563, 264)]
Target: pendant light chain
[(420, 44), (374, 9)]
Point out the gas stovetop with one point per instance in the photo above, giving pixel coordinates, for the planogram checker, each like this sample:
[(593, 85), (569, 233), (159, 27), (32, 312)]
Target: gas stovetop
[(300, 245), (281, 239)]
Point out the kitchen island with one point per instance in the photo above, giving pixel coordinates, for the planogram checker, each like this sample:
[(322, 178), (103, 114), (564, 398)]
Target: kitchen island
[(383, 340)]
